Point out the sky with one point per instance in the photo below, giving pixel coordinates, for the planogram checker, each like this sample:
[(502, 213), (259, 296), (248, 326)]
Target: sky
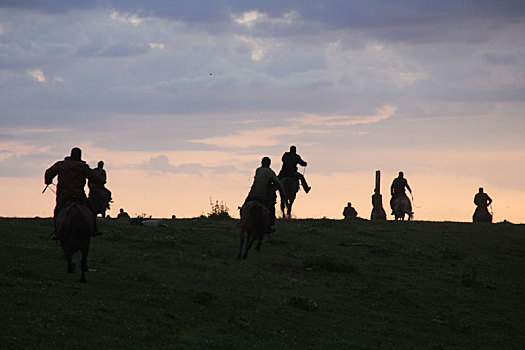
[(182, 99)]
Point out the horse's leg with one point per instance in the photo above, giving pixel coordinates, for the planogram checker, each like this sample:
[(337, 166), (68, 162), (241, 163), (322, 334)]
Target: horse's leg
[(83, 264), (241, 236), (70, 265), (249, 242), (83, 268), (258, 247)]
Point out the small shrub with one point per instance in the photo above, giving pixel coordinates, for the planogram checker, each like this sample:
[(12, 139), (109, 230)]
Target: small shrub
[(218, 210), (143, 216)]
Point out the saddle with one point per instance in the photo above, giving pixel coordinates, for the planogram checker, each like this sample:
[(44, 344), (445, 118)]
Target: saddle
[(72, 201)]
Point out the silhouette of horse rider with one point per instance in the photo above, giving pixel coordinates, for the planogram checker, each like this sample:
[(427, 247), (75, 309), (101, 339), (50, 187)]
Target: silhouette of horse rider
[(397, 190), (482, 201), (289, 169), (72, 173), (265, 183), (99, 195)]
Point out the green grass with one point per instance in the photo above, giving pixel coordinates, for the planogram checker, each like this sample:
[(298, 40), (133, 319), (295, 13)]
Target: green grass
[(315, 284)]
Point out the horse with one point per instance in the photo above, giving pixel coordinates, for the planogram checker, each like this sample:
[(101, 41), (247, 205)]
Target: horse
[(254, 224), (482, 215), (75, 224), (290, 187), (401, 207), (98, 201)]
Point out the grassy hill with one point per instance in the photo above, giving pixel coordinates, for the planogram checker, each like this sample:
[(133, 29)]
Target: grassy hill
[(318, 284)]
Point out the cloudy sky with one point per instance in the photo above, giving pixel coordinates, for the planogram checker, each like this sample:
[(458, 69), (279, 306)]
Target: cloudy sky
[(182, 99)]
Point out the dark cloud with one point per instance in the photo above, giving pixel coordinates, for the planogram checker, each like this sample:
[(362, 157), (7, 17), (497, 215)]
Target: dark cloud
[(333, 14), (51, 6)]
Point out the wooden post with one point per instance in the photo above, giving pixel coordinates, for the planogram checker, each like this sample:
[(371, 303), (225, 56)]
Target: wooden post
[(378, 181), (378, 213)]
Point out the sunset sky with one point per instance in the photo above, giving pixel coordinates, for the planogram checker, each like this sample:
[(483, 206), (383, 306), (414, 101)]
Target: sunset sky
[(182, 99)]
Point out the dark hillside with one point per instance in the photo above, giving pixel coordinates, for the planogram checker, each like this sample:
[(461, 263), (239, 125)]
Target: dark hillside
[(315, 284)]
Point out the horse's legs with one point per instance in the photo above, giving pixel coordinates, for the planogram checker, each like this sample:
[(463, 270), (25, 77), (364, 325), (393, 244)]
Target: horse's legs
[(249, 242), (241, 236), (289, 208), (258, 247), (70, 265), (83, 264)]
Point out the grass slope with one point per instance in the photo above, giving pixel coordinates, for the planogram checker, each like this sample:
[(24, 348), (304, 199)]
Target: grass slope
[(403, 285)]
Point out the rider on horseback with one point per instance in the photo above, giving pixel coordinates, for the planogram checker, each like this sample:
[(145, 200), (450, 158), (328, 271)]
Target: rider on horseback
[(72, 174), (398, 190), (100, 188), (263, 189), (289, 169), (482, 201)]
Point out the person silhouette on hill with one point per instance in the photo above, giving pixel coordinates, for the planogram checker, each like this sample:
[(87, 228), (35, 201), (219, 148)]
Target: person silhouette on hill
[(72, 174), (289, 169), (122, 214), (349, 212)]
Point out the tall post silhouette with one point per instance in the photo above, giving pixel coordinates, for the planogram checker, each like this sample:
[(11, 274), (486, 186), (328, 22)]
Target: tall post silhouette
[(378, 213)]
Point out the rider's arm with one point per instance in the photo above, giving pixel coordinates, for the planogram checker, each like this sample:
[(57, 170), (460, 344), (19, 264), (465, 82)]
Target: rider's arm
[(489, 200), (408, 188), (277, 183), (50, 174), (104, 177), (300, 161)]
